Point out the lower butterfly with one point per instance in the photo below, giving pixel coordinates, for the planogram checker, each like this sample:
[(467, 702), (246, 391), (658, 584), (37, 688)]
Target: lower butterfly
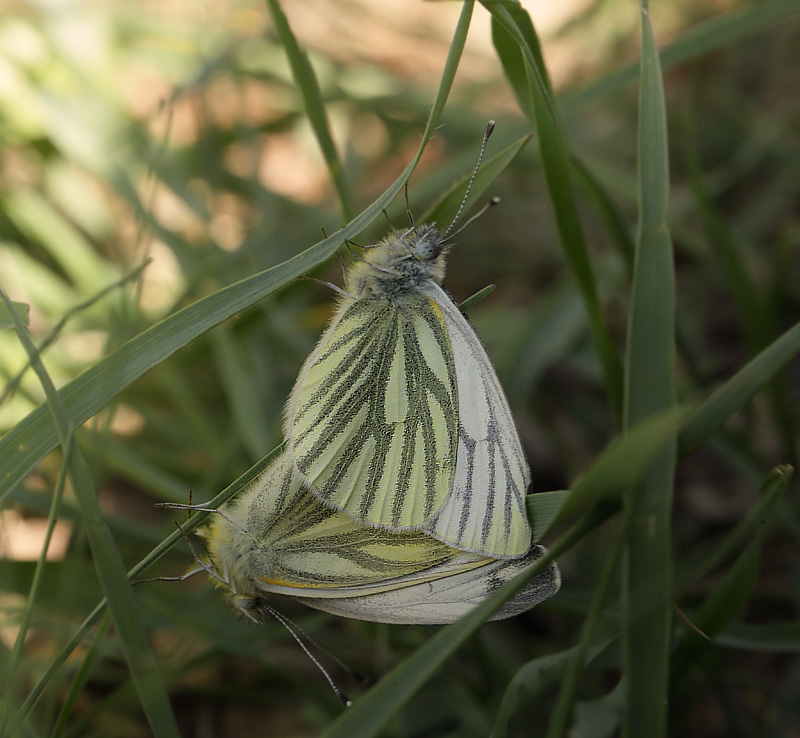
[(278, 538)]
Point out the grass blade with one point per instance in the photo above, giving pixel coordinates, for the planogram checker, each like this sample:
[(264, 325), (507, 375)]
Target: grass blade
[(511, 24), (715, 33), (306, 82), (132, 636), (712, 414), (370, 713), (445, 209), (532, 678), (33, 438), (22, 311), (649, 389), (736, 587), (27, 615), (194, 521)]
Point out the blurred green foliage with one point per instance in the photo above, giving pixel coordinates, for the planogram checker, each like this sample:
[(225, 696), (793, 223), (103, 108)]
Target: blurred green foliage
[(155, 155)]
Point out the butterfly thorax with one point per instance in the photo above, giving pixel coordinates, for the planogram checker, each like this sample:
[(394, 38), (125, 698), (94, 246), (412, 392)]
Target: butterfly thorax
[(399, 264)]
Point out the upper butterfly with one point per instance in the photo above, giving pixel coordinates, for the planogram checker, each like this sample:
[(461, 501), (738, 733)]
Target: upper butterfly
[(397, 417)]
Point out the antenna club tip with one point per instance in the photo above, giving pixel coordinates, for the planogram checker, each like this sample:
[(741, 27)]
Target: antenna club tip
[(489, 128), (494, 201)]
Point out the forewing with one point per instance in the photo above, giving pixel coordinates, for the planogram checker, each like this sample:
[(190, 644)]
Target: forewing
[(372, 420), (485, 512)]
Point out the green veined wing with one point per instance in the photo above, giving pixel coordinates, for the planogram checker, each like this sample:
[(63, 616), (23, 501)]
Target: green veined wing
[(372, 420), (485, 511), (278, 538)]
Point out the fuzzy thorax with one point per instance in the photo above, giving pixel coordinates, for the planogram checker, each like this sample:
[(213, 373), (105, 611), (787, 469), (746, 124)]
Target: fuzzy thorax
[(399, 263)]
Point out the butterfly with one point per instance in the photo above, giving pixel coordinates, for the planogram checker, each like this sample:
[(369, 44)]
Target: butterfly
[(277, 537), (397, 418)]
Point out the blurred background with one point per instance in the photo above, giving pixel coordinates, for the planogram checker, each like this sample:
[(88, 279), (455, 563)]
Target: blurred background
[(172, 134)]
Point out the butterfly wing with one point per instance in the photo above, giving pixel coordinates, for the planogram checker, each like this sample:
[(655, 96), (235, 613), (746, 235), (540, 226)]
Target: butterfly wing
[(485, 511), (278, 538), (441, 594), (372, 419)]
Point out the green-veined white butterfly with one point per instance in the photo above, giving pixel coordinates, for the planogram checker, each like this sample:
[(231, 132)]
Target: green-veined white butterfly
[(276, 537), (397, 417)]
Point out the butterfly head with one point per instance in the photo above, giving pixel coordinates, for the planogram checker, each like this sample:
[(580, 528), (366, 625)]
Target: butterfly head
[(401, 262)]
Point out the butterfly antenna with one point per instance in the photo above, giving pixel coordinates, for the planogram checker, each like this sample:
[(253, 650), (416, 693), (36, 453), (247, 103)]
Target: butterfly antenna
[(286, 623), (408, 207), (494, 201), (389, 220), (489, 129), (323, 650)]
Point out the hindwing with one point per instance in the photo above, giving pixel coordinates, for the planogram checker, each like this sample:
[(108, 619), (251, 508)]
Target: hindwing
[(485, 511)]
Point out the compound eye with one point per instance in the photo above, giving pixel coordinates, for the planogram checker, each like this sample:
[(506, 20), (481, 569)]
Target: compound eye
[(427, 250)]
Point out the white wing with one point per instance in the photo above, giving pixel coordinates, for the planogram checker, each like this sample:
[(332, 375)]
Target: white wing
[(446, 597), (485, 511)]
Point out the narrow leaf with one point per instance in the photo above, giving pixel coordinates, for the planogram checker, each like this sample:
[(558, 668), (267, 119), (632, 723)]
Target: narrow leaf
[(649, 389)]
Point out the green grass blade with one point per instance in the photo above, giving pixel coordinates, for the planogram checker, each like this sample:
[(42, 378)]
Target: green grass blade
[(55, 331), (532, 678), (543, 507), (758, 325), (565, 704), (609, 213), (370, 712), (450, 67), (22, 311), (511, 24), (736, 587), (194, 521), (617, 470), (306, 82), (240, 390), (772, 490), (33, 438), (479, 296), (132, 636), (710, 35), (27, 615), (81, 677), (712, 414), (770, 638), (649, 389)]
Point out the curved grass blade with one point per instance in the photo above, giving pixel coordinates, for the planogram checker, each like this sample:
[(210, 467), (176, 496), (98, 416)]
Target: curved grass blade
[(306, 82), (27, 614), (715, 33), (370, 712), (617, 470), (712, 414), (55, 331), (132, 636), (745, 530), (511, 24), (736, 587), (22, 311), (532, 678), (194, 521), (649, 389), (563, 710), (34, 437)]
